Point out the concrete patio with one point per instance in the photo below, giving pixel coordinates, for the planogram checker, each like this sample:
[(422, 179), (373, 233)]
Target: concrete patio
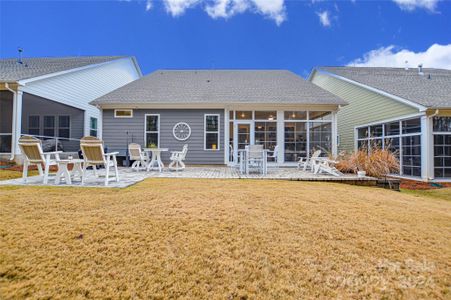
[(129, 177)]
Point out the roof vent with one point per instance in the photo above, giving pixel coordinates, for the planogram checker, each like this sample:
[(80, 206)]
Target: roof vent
[(420, 69), (407, 65), (19, 58), (429, 76)]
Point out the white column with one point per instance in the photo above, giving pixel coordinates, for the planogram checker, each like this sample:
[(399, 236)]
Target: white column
[(17, 119), (281, 136), (226, 136), (100, 125), (334, 134), (426, 148)]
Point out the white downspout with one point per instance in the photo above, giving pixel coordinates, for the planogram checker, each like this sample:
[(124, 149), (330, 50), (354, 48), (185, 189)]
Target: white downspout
[(13, 133)]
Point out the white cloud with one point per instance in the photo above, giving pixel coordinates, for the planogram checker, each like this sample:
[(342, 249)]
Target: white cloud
[(272, 9), (437, 56), (149, 5), (324, 18), (178, 7), (411, 5)]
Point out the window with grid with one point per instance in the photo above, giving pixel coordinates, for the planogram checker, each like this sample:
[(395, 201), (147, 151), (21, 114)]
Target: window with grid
[(49, 126), (442, 147), (152, 131), (34, 127), (64, 126), (211, 132)]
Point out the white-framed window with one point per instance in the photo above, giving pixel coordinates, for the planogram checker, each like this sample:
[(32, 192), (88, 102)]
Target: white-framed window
[(64, 126), (49, 126), (152, 130), (93, 126), (123, 113), (34, 125), (211, 132), (442, 146)]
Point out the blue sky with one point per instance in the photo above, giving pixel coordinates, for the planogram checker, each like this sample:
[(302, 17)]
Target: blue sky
[(275, 34)]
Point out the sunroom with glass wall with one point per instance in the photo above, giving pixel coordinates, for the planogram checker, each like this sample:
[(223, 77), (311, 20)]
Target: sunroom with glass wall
[(296, 133), (422, 144)]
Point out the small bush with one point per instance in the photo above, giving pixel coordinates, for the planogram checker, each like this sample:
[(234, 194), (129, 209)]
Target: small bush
[(376, 163)]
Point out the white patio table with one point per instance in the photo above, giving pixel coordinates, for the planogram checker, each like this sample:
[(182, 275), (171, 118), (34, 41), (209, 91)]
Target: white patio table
[(63, 170), (155, 161)]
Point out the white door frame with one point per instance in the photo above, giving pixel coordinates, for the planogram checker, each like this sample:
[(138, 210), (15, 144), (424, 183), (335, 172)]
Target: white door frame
[(251, 124)]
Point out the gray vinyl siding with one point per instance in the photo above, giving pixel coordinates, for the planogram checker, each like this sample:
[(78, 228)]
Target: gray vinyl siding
[(364, 107), (119, 132), (37, 106)]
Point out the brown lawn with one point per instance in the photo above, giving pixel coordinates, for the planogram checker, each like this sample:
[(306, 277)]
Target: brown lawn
[(223, 239)]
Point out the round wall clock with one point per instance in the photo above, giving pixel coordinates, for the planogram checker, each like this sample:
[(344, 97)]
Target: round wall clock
[(181, 131)]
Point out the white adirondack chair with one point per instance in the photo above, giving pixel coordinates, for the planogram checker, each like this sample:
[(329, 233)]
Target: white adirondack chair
[(140, 158), (327, 166), (33, 155), (309, 163), (177, 158), (94, 155)]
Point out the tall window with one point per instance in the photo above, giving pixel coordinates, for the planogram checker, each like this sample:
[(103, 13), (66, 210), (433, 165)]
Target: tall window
[(49, 126), (442, 147), (34, 127), (64, 126), (93, 126), (152, 131), (211, 132), (266, 129)]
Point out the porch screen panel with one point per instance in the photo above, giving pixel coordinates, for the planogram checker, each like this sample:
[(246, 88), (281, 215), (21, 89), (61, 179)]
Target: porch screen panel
[(6, 114), (442, 147), (295, 140), (34, 125), (321, 137), (266, 134), (49, 126)]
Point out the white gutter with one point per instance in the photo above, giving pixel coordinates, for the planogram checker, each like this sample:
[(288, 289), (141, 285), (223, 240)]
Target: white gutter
[(13, 133), (420, 107)]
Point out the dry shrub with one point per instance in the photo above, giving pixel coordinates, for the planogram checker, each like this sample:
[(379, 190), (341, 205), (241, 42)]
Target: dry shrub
[(377, 163)]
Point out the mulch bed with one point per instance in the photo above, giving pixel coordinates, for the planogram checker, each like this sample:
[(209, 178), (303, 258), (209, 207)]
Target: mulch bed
[(420, 185)]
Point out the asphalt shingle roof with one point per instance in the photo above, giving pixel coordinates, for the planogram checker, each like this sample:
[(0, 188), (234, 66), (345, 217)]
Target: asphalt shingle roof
[(220, 86), (12, 71), (433, 89)]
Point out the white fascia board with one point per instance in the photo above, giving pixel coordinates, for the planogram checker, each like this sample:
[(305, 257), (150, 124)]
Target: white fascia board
[(375, 90), (25, 81)]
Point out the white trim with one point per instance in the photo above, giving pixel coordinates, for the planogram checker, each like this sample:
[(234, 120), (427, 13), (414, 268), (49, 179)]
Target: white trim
[(226, 136), (123, 117), (145, 129), (281, 136), (90, 66), (375, 90), (218, 148), (406, 117)]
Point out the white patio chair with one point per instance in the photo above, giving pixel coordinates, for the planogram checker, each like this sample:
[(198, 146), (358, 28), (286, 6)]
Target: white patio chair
[(255, 158), (33, 155), (140, 158), (326, 165), (275, 155), (309, 163), (177, 158), (94, 155)]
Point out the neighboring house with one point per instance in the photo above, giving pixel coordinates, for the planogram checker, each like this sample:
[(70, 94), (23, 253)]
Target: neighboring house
[(218, 112), (49, 97), (408, 110)]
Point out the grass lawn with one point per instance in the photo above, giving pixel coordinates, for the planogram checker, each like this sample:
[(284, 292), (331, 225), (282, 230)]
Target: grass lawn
[(223, 239)]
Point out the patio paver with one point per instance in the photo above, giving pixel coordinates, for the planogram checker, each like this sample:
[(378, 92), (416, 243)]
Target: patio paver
[(129, 177)]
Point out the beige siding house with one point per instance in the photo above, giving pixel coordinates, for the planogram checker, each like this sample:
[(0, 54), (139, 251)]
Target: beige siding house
[(407, 111)]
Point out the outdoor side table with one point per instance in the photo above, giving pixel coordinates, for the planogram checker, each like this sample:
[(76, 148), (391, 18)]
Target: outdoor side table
[(63, 170)]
